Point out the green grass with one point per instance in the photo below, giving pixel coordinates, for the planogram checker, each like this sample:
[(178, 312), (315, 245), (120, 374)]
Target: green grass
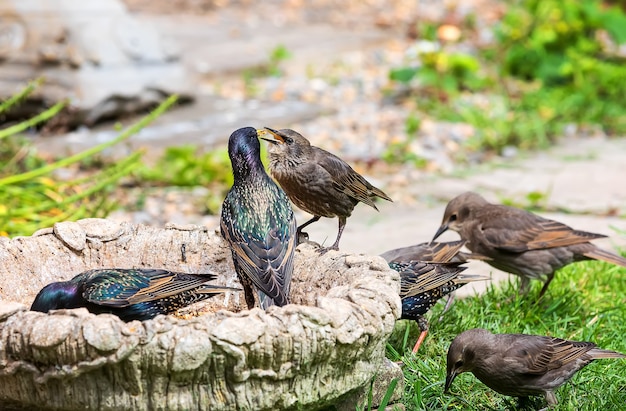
[(586, 302)]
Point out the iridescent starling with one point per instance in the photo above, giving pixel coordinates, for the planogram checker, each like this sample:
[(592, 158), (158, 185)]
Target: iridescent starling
[(520, 242), (317, 181), (432, 252), (131, 294), (258, 223), (520, 365), (422, 284)]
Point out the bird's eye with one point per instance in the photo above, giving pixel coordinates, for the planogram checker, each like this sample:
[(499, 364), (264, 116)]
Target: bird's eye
[(458, 364), (288, 140), (453, 217)]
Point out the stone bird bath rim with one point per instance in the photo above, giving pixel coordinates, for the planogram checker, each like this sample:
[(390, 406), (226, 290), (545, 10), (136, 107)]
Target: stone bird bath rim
[(306, 355)]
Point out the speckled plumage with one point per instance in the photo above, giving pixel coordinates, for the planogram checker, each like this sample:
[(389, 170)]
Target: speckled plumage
[(422, 284), (317, 181), (258, 222), (520, 365), (131, 294), (520, 242)]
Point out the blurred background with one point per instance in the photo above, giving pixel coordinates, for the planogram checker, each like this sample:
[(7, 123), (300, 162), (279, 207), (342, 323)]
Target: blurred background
[(425, 98), (123, 109)]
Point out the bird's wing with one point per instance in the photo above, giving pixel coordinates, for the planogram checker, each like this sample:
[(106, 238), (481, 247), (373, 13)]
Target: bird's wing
[(524, 231), (429, 252), (266, 259), (124, 287), (348, 181), (538, 355), (417, 277)]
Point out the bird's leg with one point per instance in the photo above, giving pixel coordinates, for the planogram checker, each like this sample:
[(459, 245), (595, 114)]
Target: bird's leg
[(524, 285), (449, 302), (551, 399), (248, 292), (299, 232), (545, 286), (335, 246), (423, 324)]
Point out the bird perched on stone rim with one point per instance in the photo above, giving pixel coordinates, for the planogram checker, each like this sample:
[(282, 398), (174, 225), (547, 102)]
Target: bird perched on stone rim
[(131, 294), (520, 242), (422, 284), (520, 365), (258, 223), (317, 181)]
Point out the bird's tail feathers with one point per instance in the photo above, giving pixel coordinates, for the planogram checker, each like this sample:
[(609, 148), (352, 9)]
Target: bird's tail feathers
[(609, 257), (598, 353), (379, 193), (265, 302)]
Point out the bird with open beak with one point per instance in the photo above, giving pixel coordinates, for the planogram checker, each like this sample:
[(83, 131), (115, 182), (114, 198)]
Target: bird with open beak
[(317, 181)]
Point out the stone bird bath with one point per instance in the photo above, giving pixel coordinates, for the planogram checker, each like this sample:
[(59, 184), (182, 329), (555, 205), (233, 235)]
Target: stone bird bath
[(322, 350)]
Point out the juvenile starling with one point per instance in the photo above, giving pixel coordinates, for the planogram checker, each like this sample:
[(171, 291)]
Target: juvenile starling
[(520, 242), (422, 284), (131, 294), (520, 365), (258, 223), (317, 181)]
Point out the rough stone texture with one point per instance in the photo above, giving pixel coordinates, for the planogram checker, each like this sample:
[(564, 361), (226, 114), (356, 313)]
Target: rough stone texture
[(302, 356)]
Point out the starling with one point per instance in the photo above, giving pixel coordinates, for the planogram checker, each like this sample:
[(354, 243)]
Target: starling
[(131, 294), (433, 253), (422, 284), (317, 181), (429, 252), (258, 223), (520, 242), (520, 365)]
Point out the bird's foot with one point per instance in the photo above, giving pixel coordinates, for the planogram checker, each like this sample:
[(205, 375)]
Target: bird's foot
[(324, 250)]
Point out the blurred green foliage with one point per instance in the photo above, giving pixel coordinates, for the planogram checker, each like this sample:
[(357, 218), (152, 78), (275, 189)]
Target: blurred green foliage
[(33, 197), (553, 63), (183, 166)]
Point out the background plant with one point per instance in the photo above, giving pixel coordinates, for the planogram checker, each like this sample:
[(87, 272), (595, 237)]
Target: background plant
[(32, 197), (553, 63)]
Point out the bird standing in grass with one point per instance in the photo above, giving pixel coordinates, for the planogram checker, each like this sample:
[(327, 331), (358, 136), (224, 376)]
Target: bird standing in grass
[(520, 242), (131, 294), (258, 223), (317, 181), (422, 284), (520, 365)]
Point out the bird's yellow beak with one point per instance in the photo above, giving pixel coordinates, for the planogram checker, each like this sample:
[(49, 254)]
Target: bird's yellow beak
[(278, 139)]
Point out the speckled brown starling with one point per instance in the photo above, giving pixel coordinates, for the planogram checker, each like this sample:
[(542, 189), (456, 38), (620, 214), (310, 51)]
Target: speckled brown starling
[(317, 181), (520, 242), (131, 294), (258, 223), (520, 365), (422, 284)]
